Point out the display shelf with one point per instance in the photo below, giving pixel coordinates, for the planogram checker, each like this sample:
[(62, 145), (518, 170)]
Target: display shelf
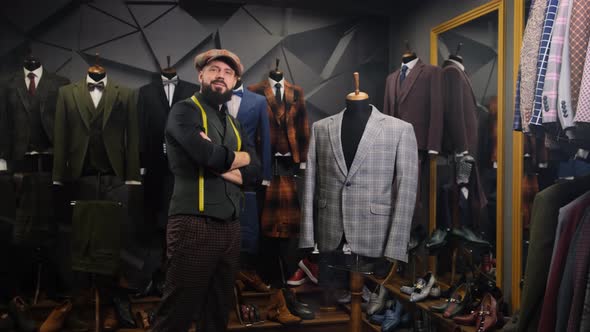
[(394, 288)]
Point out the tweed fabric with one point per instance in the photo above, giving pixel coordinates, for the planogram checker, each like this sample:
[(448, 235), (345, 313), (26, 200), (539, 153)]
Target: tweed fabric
[(578, 40), (202, 262), (583, 108), (281, 214)]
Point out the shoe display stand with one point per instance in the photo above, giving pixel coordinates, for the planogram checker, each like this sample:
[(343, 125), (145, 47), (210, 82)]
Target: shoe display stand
[(442, 324)]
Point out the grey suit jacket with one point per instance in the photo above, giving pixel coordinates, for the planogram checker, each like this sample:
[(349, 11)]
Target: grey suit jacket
[(373, 202)]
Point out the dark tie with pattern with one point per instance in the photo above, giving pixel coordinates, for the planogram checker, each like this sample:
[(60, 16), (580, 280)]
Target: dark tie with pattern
[(278, 94), (32, 86), (99, 86), (402, 76), (578, 40)]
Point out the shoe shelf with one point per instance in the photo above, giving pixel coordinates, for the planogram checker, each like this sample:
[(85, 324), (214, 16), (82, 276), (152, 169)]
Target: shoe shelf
[(322, 318), (446, 324)]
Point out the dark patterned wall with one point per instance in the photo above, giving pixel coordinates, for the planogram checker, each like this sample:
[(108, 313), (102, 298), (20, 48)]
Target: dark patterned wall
[(318, 51)]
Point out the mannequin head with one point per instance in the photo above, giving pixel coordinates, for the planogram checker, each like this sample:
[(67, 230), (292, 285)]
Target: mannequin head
[(31, 63)]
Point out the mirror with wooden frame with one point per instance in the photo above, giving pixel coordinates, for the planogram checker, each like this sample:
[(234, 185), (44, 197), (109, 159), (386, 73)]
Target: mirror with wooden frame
[(472, 42)]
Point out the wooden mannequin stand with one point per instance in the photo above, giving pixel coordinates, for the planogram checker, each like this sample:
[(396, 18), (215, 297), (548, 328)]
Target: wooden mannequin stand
[(356, 278)]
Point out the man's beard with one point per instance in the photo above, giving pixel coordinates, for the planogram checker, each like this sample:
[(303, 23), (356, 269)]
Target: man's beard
[(215, 97)]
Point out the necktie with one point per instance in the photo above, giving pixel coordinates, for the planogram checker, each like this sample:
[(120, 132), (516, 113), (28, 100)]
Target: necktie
[(578, 38), (32, 86), (239, 93), (278, 94), (402, 77), (99, 86)]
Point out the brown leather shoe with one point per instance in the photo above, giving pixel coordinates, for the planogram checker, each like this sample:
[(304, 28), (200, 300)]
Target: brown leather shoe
[(109, 321), (468, 319), (252, 280), (57, 317), (278, 311), (487, 316)]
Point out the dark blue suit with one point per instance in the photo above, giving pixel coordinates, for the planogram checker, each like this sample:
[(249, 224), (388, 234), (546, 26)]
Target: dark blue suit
[(254, 120)]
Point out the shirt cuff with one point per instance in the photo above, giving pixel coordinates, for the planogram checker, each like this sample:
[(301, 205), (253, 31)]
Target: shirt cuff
[(58, 183), (3, 166), (432, 152), (303, 165), (133, 183), (266, 183)]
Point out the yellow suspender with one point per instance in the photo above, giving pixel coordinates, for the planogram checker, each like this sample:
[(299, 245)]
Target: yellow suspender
[(201, 169)]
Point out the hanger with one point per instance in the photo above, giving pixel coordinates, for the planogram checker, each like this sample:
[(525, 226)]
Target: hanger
[(456, 56), (168, 72), (408, 55), (97, 72), (357, 95), (276, 74)]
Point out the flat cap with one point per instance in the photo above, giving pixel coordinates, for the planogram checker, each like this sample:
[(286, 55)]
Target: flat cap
[(233, 61)]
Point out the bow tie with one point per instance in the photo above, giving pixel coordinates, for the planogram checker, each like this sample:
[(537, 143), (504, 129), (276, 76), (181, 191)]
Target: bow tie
[(172, 81), (239, 93), (99, 86)]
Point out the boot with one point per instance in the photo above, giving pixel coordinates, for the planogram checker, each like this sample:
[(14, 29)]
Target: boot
[(19, 311), (278, 311), (57, 317)]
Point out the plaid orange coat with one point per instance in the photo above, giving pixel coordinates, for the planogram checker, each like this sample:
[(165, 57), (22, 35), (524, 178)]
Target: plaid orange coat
[(281, 213)]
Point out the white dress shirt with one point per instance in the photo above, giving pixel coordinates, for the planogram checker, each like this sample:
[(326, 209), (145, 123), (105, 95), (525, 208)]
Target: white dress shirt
[(169, 88), (410, 65), (38, 74), (96, 94), (272, 85), (233, 105)]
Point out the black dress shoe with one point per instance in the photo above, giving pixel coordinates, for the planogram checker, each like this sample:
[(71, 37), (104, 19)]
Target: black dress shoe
[(437, 240), (468, 235), (295, 307), (123, 310), (19, 312), (155, 287)]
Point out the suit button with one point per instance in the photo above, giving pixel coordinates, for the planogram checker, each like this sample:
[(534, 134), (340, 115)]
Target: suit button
[(348, 184)]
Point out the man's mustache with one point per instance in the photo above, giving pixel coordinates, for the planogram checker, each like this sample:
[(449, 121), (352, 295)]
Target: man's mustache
[(219, 81)]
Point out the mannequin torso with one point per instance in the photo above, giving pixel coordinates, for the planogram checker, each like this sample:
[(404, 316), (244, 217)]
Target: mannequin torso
[(354, 121)]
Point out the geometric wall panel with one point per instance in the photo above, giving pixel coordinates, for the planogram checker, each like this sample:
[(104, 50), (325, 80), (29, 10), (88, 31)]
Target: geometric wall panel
[(98, 28), (116, 8), (75, 69), (247, 38), (65, 32), (185, 68), (10, 39), (330, 96), (303, 45), (303, 75), (267, 16), (51, 57), (145, 14), (338, 54), (260, 70), (26, 14), (300, 20), (175, 34), (130, 50)]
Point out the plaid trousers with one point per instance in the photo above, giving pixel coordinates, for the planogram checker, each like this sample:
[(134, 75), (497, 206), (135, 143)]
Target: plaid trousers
[(202, 262)]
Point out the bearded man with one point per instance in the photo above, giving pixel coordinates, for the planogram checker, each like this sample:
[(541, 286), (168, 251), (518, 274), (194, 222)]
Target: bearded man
[(211, 158)]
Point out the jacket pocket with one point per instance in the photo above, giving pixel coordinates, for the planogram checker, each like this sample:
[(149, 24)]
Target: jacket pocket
[(381, 209)]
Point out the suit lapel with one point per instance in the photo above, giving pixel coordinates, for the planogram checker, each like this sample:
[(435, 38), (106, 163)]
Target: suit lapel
[(277, 110), (110, 94), (21, 89), (470, 86), (411, 79), (335, 128), (289, 99), (245, 104), (83, 101), (162, 94), (372, 130), (42, 90)]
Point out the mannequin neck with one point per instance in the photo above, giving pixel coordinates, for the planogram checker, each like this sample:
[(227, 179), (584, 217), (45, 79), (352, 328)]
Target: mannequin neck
[(358, 108)]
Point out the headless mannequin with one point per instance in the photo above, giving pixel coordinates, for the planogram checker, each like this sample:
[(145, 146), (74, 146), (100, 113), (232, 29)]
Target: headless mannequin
[(408, 56), (354, 121), (276, 74), (31, 63)]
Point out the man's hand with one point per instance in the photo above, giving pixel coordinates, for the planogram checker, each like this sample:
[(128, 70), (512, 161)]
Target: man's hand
[(242, 159), (205, 136), (234, 176)]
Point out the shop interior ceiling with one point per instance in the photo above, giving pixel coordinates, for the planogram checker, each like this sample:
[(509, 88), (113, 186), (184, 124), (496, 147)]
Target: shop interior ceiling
[(134, 39)]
